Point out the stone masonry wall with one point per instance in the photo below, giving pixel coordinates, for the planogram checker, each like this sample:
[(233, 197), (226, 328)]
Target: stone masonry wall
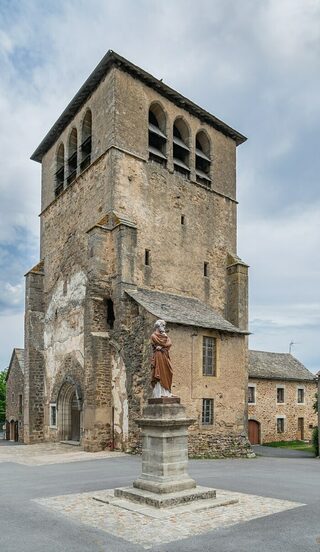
[(34, 369), (227, 435), (87, 261), (15, 389), (266, 409)]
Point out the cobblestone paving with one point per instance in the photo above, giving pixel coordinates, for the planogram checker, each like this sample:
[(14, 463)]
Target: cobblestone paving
[(147, 532), (50, 453)]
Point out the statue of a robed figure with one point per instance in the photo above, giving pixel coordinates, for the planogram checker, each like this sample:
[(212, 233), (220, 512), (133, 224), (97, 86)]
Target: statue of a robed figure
[(161, 377)]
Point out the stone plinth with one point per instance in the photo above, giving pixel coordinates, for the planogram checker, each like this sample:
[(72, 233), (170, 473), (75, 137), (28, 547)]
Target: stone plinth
[(164, 481), (164, 447)]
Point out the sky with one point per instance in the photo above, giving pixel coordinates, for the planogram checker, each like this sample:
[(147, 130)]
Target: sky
[(253, 64)]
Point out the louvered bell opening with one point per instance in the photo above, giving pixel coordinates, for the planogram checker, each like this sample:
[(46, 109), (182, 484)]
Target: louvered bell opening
[(86, 148), (180, 153), (181, 157), (72, 166), (203, 164), (59, 181), (157, 144)]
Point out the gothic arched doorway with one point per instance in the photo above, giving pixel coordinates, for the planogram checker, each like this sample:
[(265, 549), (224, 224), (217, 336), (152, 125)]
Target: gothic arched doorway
[(69, 410)]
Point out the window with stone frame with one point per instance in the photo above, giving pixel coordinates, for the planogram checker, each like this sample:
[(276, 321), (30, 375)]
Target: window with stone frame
[(53, 415), (20, 404), (251, 394), (280, 425), (207, 412), (209, 356), (280, 395), (300, 395)]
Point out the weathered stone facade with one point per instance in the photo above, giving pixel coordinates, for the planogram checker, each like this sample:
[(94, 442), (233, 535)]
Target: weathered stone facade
[(87, 340), (14, 397), (283, 389)]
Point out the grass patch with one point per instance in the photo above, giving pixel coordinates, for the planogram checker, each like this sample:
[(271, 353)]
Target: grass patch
[(294, 445)]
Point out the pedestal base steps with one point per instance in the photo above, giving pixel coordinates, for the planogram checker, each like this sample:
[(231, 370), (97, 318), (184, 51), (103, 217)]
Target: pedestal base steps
[(164, 481)]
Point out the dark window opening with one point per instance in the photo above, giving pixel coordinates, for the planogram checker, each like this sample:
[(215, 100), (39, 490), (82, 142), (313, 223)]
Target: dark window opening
[(206, 269), (147, 257), (20, 404), (209, 356), (251, 394), (181, 150), (110, 314), (280, 395), (157, 137), (203, 163), (86, 145), (280, 425), (182, 219), (300, 395), (73, 156), (60, 171), (207, 411), (53, 415)]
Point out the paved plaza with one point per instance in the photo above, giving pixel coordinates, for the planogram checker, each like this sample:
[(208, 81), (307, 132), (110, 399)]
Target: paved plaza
[(49, 504)]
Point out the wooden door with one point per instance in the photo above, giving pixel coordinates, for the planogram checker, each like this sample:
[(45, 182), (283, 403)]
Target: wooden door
[(300, 435), (253, 432), (75, 420)]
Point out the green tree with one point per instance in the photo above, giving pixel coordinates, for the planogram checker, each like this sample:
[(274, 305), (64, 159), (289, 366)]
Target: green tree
[(3, 396)]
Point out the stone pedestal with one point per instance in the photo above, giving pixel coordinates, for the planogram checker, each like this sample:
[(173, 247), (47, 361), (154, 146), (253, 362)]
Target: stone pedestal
[(164, 447), (164, 480)]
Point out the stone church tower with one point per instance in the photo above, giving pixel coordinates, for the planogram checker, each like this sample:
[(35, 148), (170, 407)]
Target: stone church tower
[(138, 222)]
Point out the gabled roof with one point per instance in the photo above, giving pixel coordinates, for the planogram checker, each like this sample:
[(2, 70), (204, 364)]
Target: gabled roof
[(278, 366), (178, 309), (19, 354), (110, 60)]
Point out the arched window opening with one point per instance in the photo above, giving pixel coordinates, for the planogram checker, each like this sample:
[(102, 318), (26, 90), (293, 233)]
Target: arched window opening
[(203, 163), (86, 145), (59, 171), (73, 156), (181, 149), (157, 136)]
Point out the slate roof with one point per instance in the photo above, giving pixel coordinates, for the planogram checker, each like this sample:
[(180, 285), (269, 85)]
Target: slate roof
[(278, 366), (110, 60), (178, 309), (19, 353)]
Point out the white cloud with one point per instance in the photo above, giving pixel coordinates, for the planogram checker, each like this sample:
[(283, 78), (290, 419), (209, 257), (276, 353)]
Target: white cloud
[(254, 64)]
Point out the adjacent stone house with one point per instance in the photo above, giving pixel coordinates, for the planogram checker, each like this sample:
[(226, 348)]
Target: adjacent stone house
[(14, 396), (281, 394), (138, 221)]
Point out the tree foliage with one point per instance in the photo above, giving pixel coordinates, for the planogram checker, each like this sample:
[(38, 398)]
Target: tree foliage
[(3, 396)]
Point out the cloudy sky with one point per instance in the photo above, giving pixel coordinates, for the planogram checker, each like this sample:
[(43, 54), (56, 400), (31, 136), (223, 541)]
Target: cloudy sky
[(254, 64)]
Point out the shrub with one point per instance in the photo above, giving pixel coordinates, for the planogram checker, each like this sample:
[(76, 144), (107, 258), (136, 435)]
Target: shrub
[(315, 442)]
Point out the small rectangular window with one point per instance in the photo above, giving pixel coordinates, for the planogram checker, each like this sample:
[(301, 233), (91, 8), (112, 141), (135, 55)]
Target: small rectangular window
[(300, 395), (209, 356), (147, 257), (20, 404), (251, 394), (207, 411), (280, 425), (53, 415), (206, 269), (182, 219), (280, 395)]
